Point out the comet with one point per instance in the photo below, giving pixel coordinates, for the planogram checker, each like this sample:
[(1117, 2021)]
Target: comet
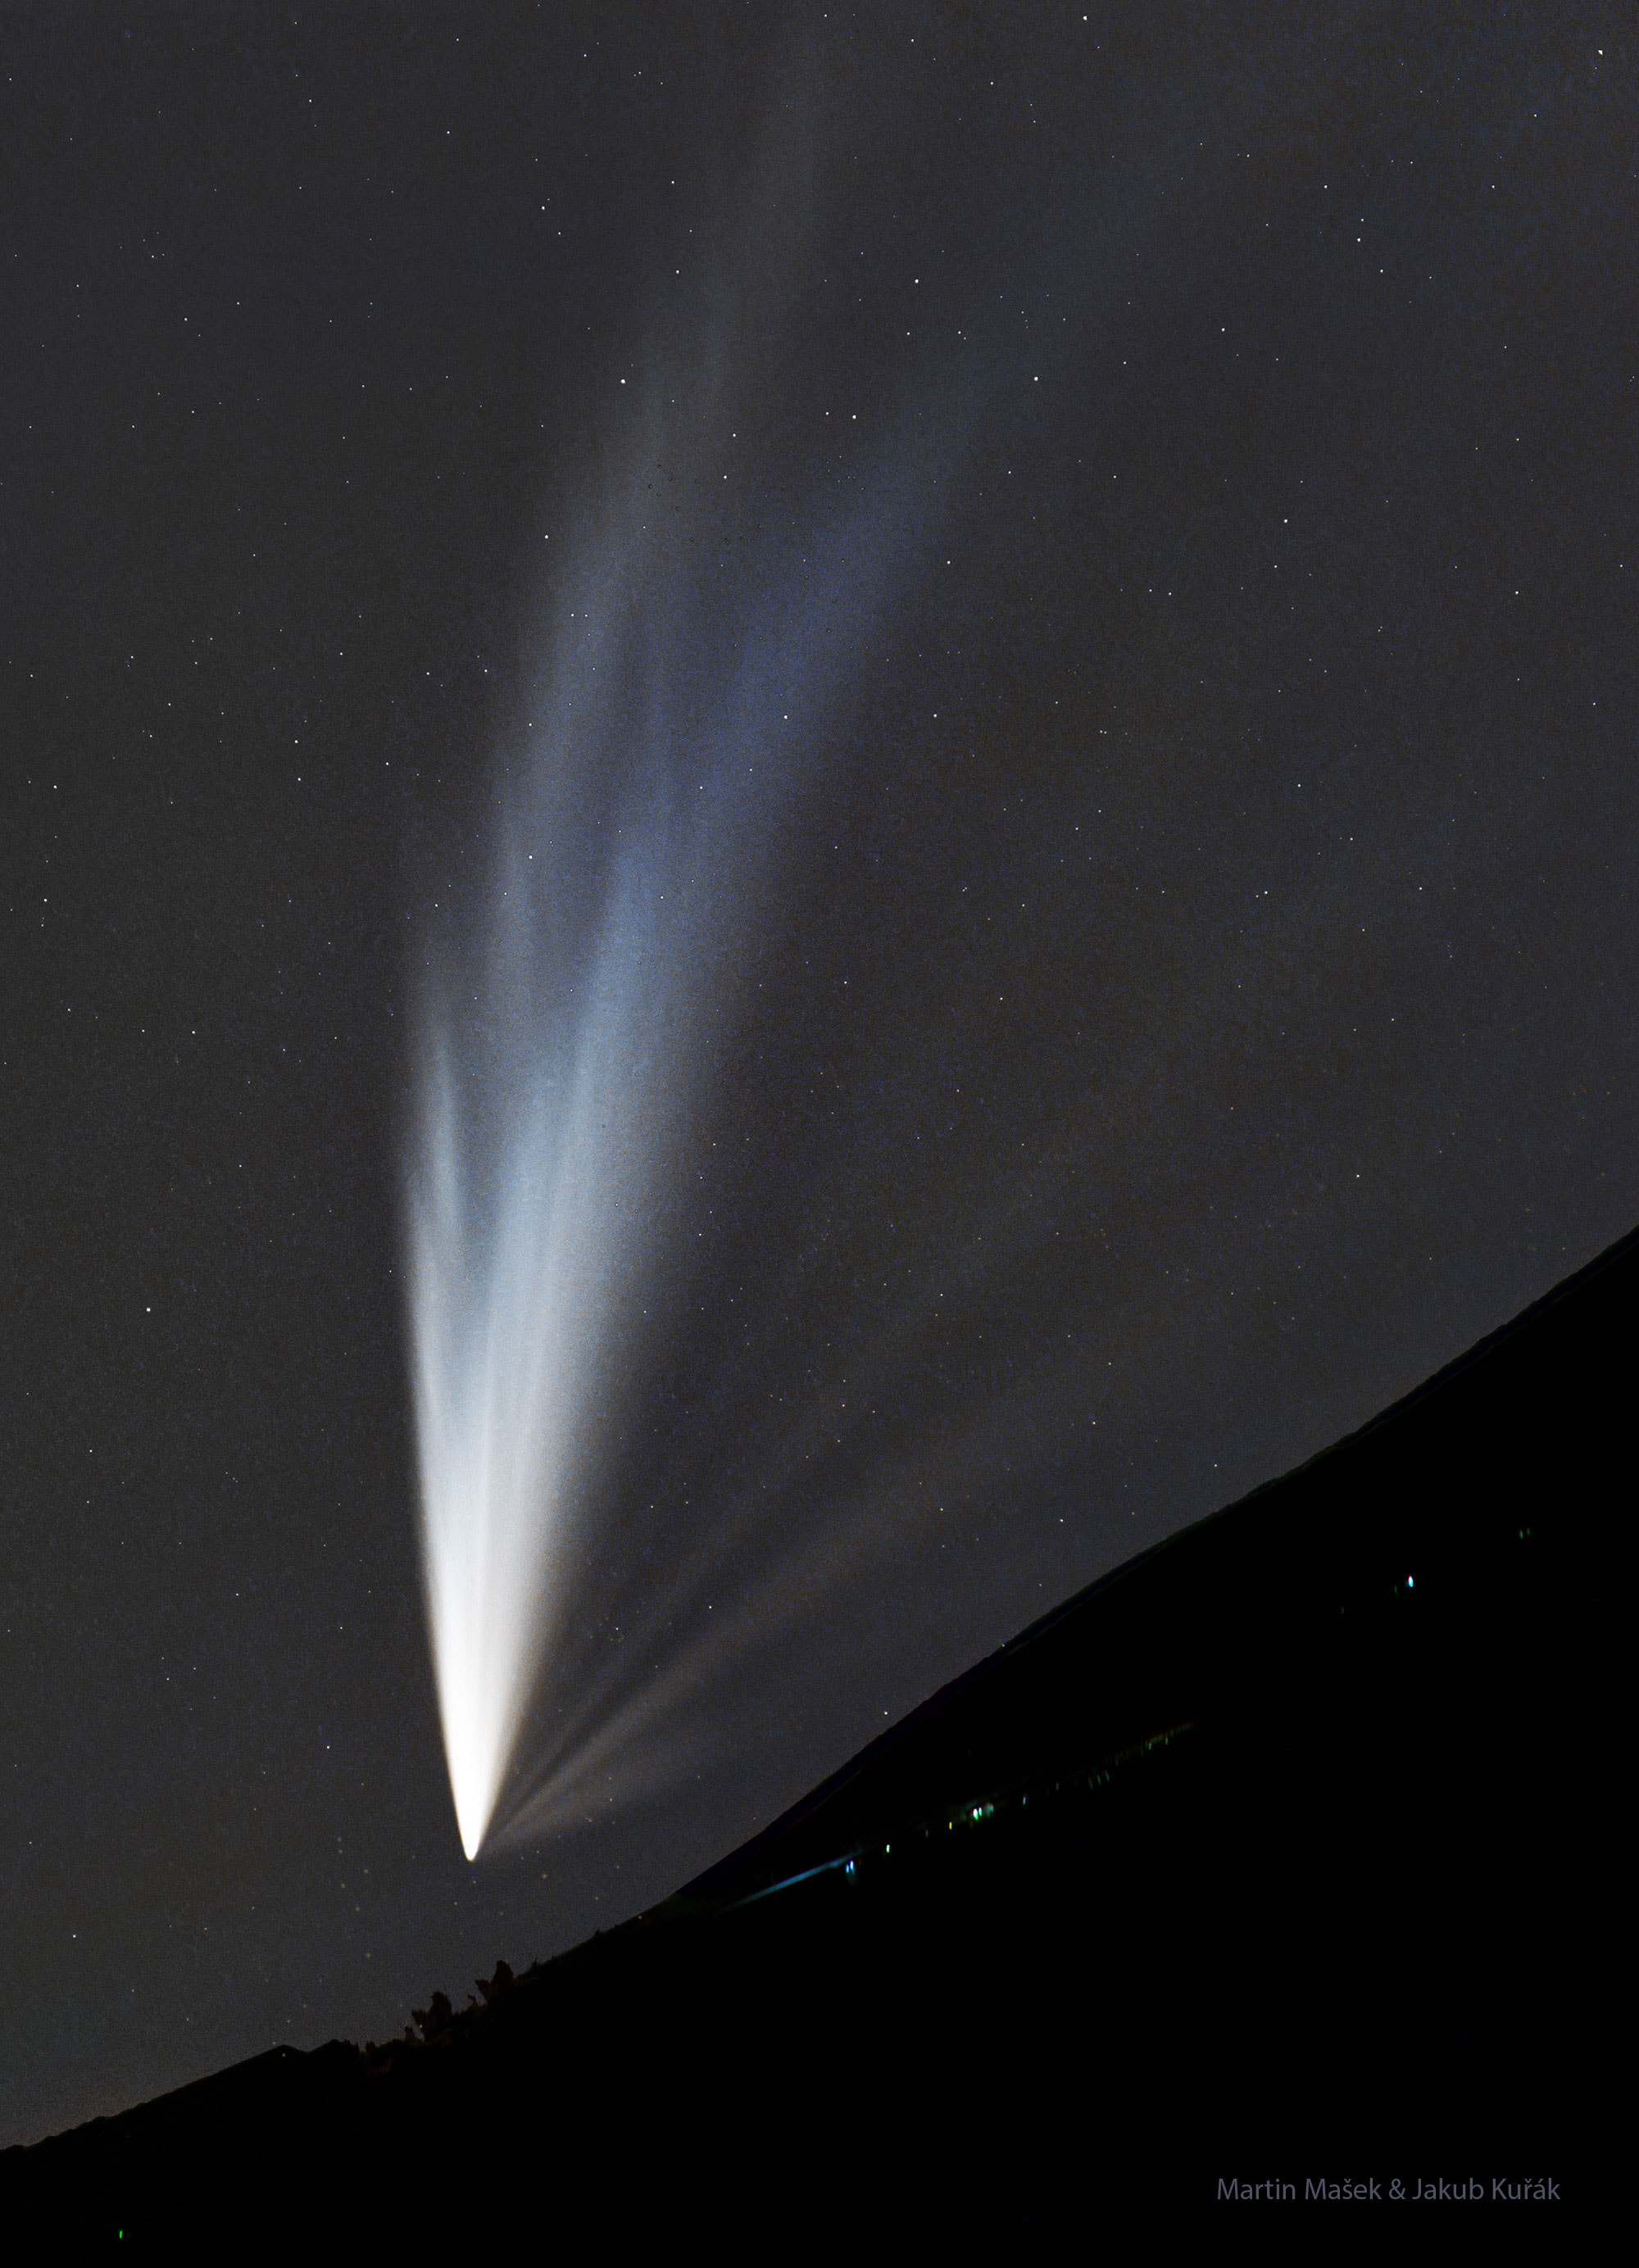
[(675, 726)]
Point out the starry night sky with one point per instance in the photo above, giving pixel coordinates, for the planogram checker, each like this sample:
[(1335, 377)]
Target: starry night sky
[(1194, 996)]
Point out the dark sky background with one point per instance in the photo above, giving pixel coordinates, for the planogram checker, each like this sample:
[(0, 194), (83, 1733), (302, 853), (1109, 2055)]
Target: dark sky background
[(1194, 999)]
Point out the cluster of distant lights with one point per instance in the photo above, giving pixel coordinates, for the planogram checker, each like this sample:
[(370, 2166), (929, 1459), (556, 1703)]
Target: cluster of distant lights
[(976, 1813)]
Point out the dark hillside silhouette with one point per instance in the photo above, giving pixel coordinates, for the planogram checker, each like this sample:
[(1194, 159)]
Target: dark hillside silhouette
[(1283, 1852)]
